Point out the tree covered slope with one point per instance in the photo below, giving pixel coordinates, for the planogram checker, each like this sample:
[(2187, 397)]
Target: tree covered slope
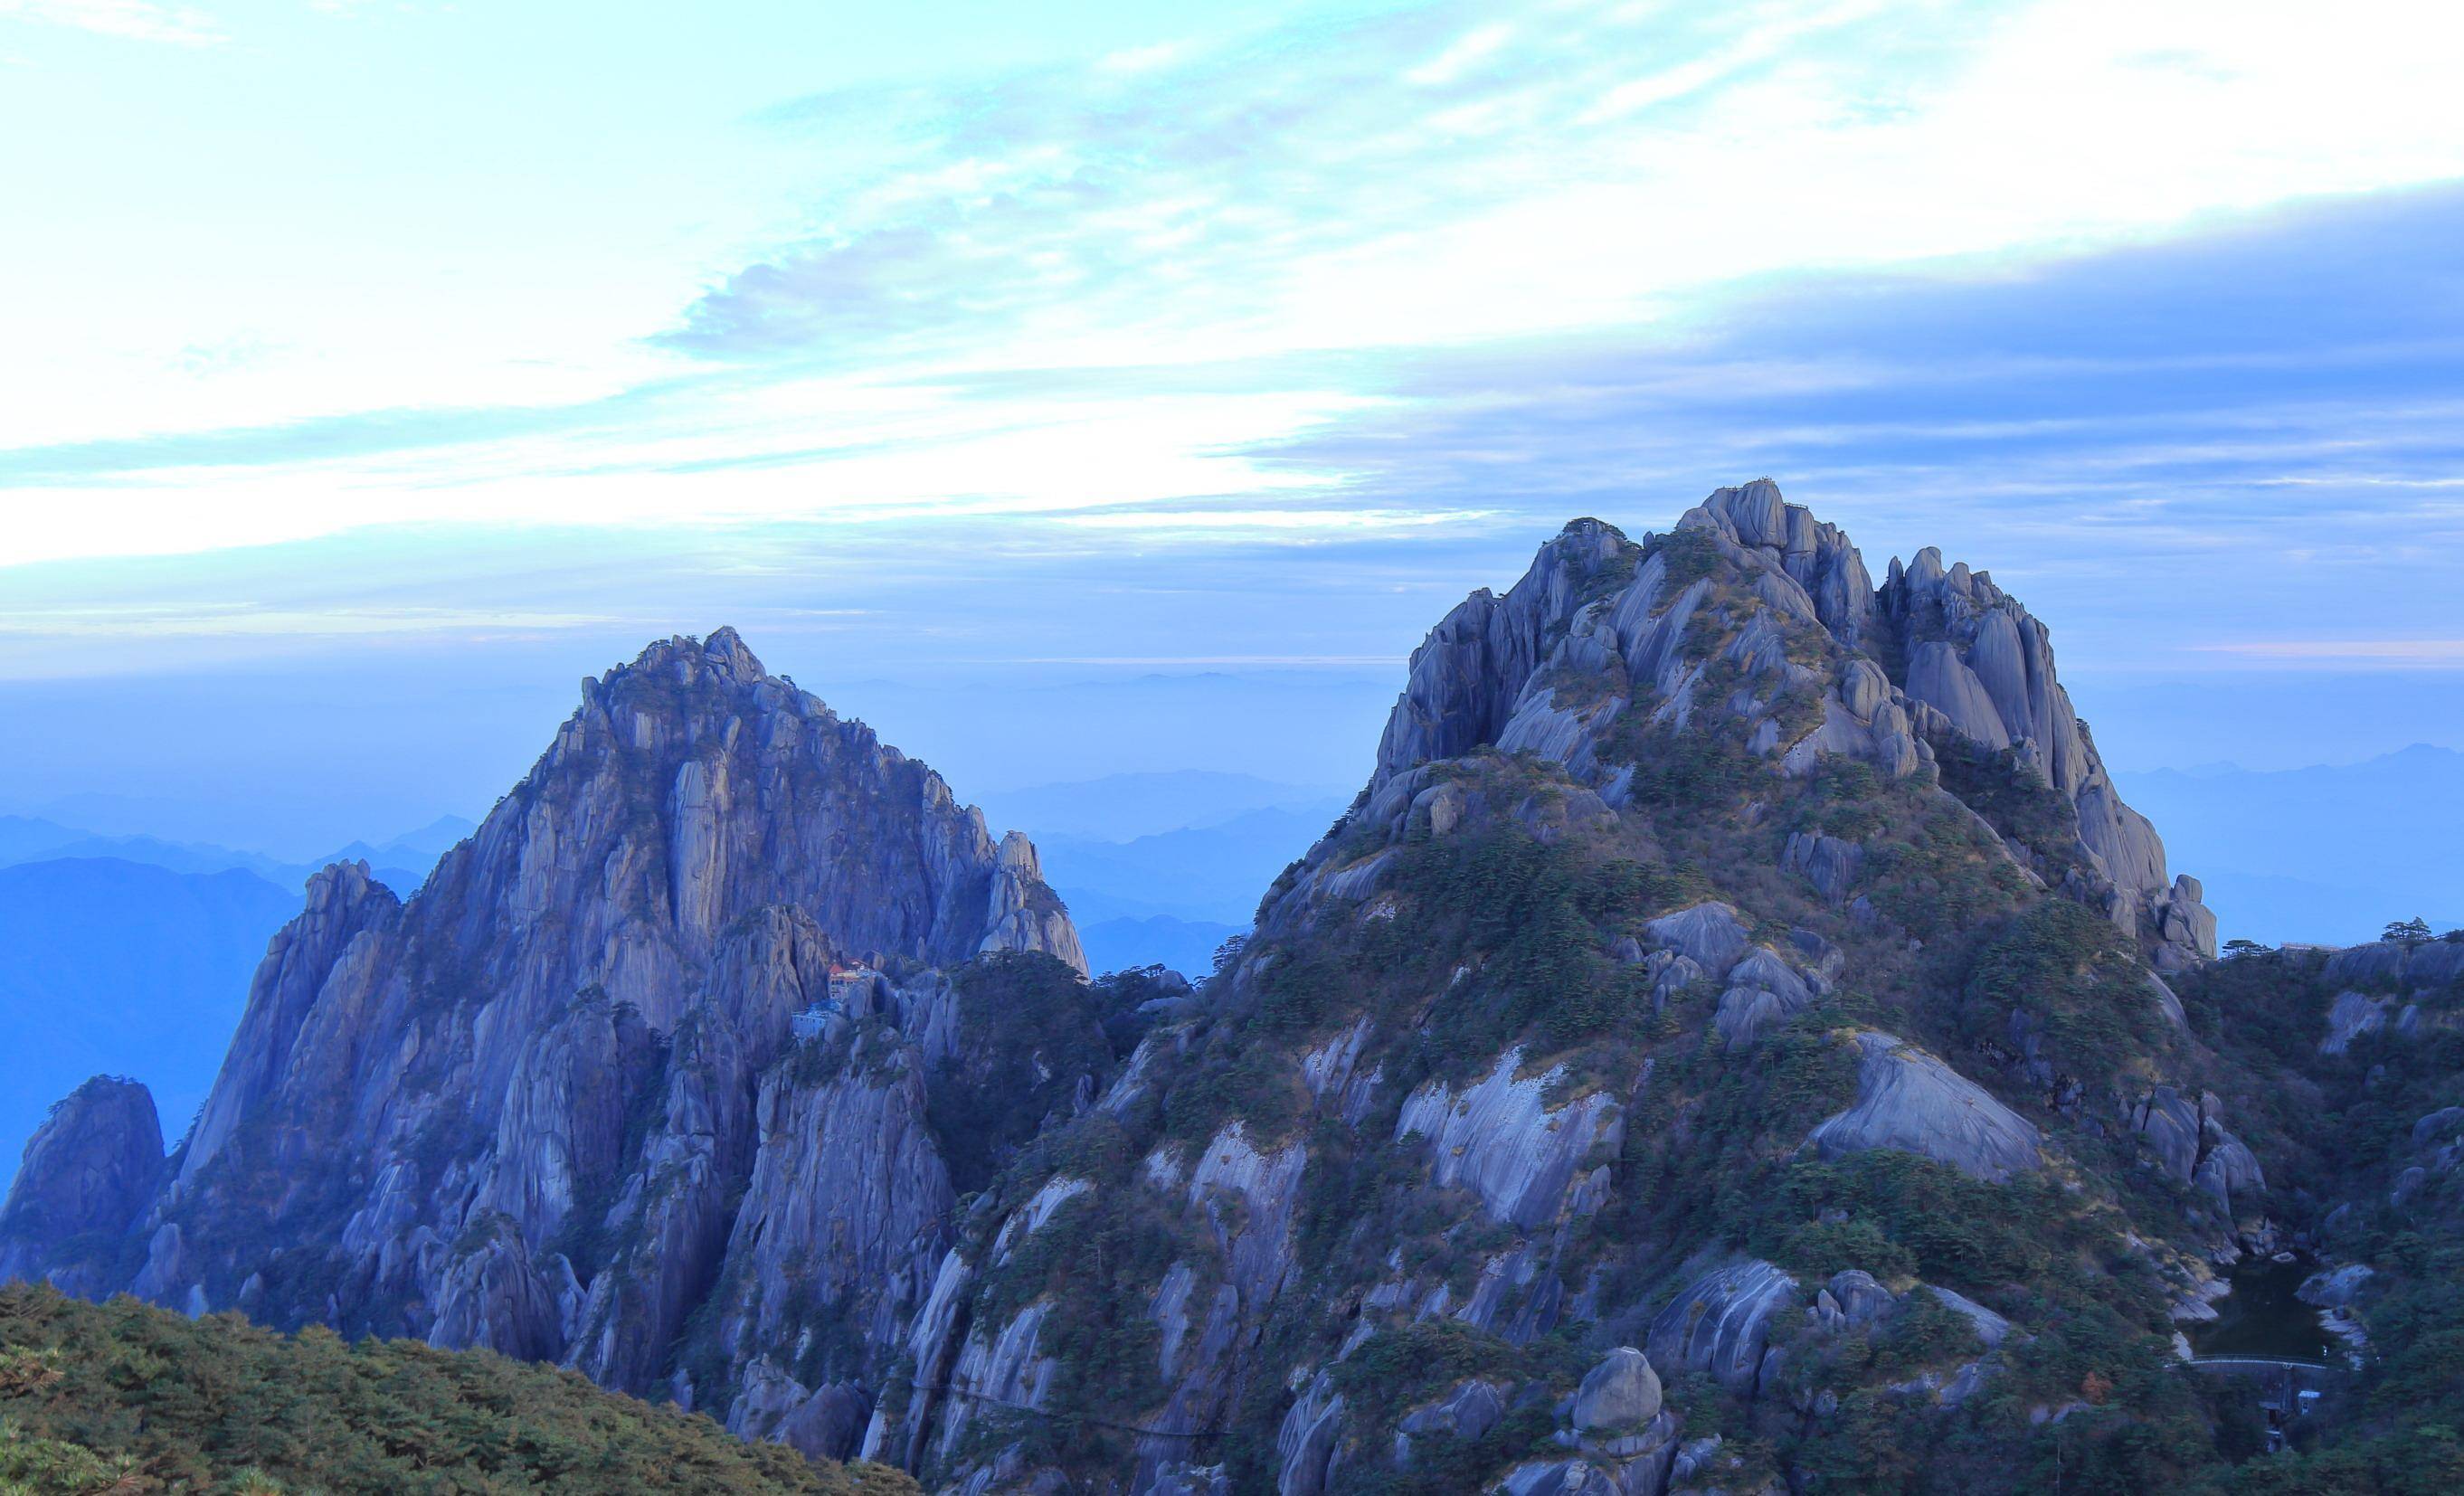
[(123, 1398)]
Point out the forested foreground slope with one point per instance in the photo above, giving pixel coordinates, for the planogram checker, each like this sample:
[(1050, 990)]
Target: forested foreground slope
[(123, 1398)]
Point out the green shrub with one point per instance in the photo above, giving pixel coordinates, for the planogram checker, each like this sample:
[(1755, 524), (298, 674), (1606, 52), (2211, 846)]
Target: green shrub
[(2072, 972), (96, 1394)]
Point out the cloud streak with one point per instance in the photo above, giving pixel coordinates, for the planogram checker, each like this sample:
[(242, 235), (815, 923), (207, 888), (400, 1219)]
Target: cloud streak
[(1397, 294), (1433, 177), (134, 20)]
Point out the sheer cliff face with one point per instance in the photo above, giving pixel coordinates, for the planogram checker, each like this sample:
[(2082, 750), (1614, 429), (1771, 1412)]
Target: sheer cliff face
[(525, 1108), (1983, 667), (92, 1166)]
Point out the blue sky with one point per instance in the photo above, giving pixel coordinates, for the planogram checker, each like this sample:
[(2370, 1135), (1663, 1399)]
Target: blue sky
[(377, 370)]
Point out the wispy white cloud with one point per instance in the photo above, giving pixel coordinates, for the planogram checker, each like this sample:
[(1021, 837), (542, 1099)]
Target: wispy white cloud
[(1463, 55), (138, 20), (2438, 653), (1176, 292), (237, 619), (1436, 177)]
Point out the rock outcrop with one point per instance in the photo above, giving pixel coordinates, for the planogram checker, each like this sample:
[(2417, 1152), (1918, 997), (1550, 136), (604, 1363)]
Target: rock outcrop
[(1502, 1139), (1910, 1100), (1720, 1324), (92, 1166), (1383, 1116), (1983, 667), (2190, 1141), (557, 1104)]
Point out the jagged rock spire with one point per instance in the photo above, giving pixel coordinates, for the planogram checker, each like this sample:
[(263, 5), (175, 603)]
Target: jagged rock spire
[(1936, 654), (439, 1100), (89, 1170)]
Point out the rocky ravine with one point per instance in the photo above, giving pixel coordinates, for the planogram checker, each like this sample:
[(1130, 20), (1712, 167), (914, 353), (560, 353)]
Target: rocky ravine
[(1557, 1127)]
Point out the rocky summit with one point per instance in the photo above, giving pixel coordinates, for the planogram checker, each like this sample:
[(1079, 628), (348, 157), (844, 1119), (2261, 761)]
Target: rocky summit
[(540, 1107), (1738, 1039)]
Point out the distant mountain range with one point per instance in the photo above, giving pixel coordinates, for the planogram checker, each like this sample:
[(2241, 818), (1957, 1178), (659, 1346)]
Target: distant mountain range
[(131, 954), (1122, 807), (2327, 854), (1161, 868), (122, 968), (400, 862)]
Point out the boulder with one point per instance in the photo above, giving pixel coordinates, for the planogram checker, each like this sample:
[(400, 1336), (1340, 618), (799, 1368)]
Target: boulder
[(1908, 1099), (1621, 1391), (1990, 1328), (1470, 1409), (1764, 992), (1709, 934), (2336, 1288), (2446, 1124), (1861, 1298), (1560, 1478)]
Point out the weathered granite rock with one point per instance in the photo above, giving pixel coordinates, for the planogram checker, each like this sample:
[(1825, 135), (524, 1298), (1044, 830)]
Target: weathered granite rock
[(2191, 1142), (2407, 968), (671, 1216), (1500, 1138), (1620, 1393), (1560, 1478), (1308, 1444), (1711, 934), (1861, 1300), (997, 1368), (847, 1210), (1469, 1411), (334, 939), (1764, 992), (2352, 1015), (1467, 676), (658, 1074), (1814, 555), (1250, 1197), (2336, 1288), (2228, 1168), (540, 1107), (822, 1424), (1720, 1324), (1908, 1099), (1023, 913), (2446, 1124), (1985, 666), (1939, 678), (88, 1170), (1830, 863)]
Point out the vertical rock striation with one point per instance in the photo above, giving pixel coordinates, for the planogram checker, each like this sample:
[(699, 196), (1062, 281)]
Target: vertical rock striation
[(553, 1106)]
